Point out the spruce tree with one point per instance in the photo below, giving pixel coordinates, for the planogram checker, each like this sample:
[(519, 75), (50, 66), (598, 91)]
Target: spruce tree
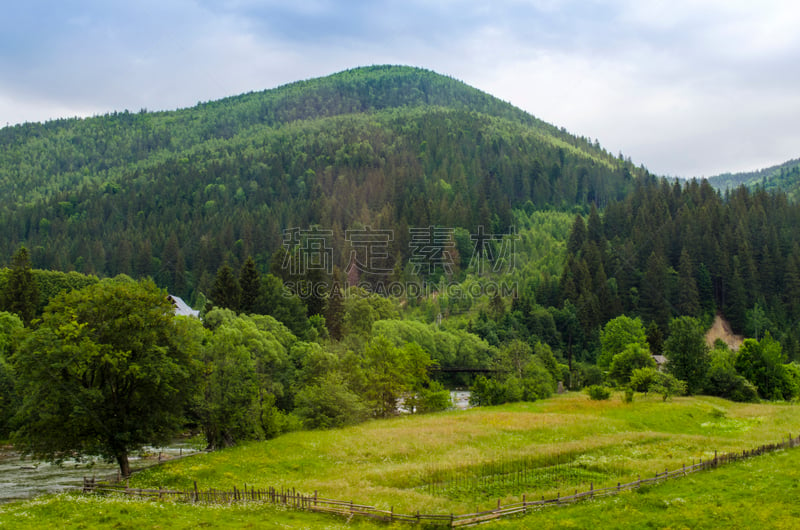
[(22, 292), (226, 291), (249, 284), (688, 295)]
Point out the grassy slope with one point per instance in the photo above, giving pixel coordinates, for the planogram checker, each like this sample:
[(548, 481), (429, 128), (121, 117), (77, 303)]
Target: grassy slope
[(378, 463), (391, 463), (759, 493)]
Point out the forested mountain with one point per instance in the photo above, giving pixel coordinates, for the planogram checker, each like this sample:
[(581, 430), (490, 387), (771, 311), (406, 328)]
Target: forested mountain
[(784, 177), (548, 260), (175, 195)]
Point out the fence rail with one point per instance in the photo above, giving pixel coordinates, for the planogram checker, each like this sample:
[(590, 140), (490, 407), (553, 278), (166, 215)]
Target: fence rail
[(291, 498)]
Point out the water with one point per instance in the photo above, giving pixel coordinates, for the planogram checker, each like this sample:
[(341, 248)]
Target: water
[(460, 399), (26, 478)]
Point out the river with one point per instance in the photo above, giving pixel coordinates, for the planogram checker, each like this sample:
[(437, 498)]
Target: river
[(26, 478)]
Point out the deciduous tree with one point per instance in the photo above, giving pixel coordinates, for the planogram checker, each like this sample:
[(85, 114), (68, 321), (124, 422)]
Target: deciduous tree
[(109, 370)]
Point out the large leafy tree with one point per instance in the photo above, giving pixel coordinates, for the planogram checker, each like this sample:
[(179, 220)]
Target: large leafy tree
[(761, 362), (246, 365), (686, 351), (109, 370), (617, 335)]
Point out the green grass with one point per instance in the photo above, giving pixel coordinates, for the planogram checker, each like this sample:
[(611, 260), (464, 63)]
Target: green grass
[(761, 492), (456, 462), (75, 511)]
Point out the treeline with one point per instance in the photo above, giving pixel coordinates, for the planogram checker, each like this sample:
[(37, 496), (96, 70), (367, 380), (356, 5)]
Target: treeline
[(174, 196)]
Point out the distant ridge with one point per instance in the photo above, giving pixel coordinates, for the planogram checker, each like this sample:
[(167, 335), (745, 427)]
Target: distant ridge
[(784, 177)]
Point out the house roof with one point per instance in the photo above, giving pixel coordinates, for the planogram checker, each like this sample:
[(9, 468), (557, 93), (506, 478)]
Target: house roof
[(182, 308)]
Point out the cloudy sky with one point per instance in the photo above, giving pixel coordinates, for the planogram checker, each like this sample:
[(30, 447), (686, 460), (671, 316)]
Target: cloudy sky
[(683, 87)]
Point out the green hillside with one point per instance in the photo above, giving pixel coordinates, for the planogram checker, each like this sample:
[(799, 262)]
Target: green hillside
[(175, 195), (784, 177)]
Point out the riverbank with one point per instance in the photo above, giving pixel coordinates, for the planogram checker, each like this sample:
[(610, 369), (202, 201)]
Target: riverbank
[(25, 478)]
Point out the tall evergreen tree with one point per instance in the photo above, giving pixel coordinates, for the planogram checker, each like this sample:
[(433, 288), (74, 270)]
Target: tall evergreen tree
[(654, 303), (594, 228), (705, 289), (249, 284), (736, 298), (22, 292), (688, 295), (334, 308), (226, 291), (577, 236)]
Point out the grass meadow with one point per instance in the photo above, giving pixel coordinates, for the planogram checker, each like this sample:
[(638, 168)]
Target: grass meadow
[(461, 461)]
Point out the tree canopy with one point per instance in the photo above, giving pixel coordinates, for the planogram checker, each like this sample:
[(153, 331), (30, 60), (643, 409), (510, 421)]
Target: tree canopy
[(108, 370)]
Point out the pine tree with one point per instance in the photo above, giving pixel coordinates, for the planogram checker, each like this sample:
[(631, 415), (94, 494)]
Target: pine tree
[(594, 229), (653, 303), (334, 309), (249, 284), (688, 295), (22, 292), (736, 298), (226, 291), (577, 236), (705, 289)]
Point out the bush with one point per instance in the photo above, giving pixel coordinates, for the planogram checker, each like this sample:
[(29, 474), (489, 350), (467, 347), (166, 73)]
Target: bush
[(434, 398), (642, 379), (627, 397), (598, 392), (668, 385), (633, 357), (723, 381), (329, 403)]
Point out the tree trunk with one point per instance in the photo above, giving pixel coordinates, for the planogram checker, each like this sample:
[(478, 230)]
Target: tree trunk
[(124, 465)]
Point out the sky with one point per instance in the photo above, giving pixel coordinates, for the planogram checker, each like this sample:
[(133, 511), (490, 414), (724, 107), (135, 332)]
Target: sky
[(686, 88)]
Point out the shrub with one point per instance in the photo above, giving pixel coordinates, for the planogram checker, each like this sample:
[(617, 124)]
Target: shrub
[(723, 381), (598, 392), (627, 397)]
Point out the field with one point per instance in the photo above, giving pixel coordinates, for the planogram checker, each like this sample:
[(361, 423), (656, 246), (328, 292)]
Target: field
[(462, 461)]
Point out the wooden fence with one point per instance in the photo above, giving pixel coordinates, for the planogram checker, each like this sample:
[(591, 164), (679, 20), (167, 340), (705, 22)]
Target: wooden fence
[(291, 498)]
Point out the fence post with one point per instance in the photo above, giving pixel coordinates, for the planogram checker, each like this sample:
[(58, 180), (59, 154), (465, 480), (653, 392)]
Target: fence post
[(196, 496)]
